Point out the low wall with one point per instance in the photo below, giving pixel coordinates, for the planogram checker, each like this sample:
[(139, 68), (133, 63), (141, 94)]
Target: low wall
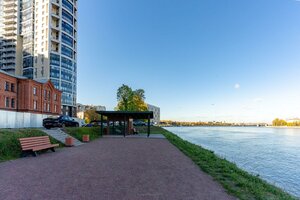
[(11, 119)]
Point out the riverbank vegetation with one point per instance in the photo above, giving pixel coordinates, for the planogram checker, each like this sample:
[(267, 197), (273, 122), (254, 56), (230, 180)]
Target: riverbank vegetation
[(281, 122), (235, 180), (10, 146)]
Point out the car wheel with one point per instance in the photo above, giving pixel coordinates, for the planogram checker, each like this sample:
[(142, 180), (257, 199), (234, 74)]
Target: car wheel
[(63, 126), (47, 127), (77, 125)]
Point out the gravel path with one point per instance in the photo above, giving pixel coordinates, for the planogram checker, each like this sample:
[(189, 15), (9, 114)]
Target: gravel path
[(109, 168)]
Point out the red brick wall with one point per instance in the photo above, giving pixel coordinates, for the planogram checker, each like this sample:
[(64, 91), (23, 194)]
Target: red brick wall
[(8, 94), (24, 96)]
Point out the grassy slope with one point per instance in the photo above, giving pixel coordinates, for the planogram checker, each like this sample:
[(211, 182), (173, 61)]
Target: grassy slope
[(236, 181), (9, 144), (94, 132)]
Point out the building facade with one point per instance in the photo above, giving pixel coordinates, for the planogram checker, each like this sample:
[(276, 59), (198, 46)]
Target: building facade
[(22, 94), (156, 113), (82, 108), (39, 41)]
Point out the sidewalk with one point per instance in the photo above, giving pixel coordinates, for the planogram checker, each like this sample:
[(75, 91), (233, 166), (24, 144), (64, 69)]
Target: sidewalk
[(109, 168)]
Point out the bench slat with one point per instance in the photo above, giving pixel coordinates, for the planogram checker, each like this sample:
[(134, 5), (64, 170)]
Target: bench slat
[(32, 146), (44, 138), (32, 142), (37, 148), (33, 138)]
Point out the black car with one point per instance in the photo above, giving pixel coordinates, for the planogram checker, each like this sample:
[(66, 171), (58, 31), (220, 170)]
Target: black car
[(61, 121)]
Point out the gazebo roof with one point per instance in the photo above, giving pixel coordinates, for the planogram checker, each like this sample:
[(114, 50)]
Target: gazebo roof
[(127, 114)]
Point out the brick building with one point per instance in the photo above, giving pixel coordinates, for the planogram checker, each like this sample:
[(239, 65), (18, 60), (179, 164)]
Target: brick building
[(21, 94)]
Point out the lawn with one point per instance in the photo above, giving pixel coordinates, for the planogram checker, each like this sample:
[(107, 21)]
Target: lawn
[(94, 132), (236, 181), (9, 144)]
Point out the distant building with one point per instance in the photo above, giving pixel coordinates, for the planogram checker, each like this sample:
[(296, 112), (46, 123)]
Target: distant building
[(21, 94), (82, 108), (293, 120), (156, 113)]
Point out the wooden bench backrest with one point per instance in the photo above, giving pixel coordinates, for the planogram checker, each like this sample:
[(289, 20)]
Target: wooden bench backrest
[(30, 142)]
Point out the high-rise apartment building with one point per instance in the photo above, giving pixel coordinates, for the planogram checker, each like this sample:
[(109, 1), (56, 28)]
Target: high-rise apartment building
[(39, 41)]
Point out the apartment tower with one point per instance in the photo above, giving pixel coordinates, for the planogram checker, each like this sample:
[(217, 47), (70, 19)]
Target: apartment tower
[(39, 41)]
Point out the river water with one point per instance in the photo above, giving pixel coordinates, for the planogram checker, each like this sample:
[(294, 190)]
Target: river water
[(273, 153)]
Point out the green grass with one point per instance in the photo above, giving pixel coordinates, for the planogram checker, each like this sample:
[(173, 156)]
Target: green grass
[(236, 181), (153, 129), (94, 132), (9, 144)]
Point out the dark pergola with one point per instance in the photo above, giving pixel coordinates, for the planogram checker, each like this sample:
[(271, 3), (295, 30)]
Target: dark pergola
[(124, 116)]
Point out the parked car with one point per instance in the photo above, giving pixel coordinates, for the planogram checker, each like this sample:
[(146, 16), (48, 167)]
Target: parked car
[(61, 121), (80, 122), (139, 123), (96, 123)]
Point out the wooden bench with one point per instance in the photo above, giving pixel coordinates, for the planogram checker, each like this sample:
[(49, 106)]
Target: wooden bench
[(33, 144)]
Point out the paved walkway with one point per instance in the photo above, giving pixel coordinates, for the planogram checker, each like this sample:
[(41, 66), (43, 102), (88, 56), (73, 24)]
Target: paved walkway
[(109, 168), (59, 135)]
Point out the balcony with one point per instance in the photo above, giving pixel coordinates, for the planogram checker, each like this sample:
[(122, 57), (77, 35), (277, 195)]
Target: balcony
[(10, 16), (10, 33), (10, 27), (8, 3), (56, 2), (55, 23), (54, 47), (10, 21), (55, 11), (9, 55), (9, 44), (55, 35), (8, 61)]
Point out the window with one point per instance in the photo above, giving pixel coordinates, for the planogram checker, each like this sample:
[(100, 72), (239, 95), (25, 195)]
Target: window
[(49, 95), (6, 86), (67, 28), (13, 103), (66, 16), (54, 59), (66, 4), (67, 40), (55, 108), (34, 91), (45, 107), (12, 87), (55, 97), (67, 51), (6, 102), (35, 105), (45, 94), (48, 107)]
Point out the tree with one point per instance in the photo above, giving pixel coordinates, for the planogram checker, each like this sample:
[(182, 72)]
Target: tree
[(279, 122), (91, 115), (129, 100)]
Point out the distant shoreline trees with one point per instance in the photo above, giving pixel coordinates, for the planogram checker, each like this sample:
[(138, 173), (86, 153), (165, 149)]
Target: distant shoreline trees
[(281, 122)]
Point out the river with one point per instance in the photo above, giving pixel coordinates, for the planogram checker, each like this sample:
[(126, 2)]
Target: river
[(273, 153)]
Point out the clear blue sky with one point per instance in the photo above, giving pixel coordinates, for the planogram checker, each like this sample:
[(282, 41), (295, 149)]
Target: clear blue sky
[(203, 60)]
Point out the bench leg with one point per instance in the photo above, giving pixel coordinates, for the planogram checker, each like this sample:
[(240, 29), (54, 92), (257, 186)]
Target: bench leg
[(34, 153), (24, 154), (52, 149)]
